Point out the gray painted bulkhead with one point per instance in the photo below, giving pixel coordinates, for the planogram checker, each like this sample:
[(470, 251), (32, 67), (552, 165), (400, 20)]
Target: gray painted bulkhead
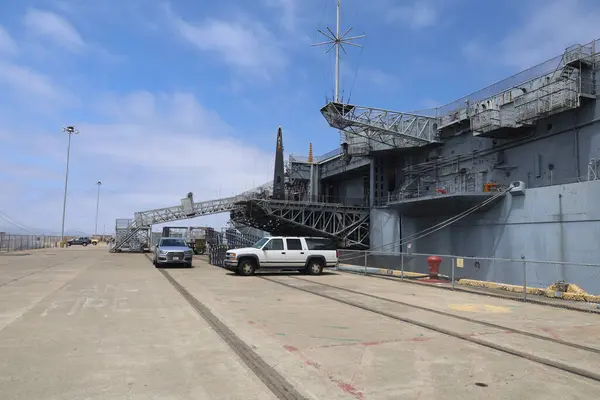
[(338, 180), (557, 219), (553, 223)]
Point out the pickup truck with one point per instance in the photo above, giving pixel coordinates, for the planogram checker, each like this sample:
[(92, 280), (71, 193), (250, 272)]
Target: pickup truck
[(306, 254)]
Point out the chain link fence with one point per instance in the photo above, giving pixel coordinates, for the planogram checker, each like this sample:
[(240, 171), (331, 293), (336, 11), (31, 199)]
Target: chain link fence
[(9, 243), (219, 242), (216, 247), (569, 280)]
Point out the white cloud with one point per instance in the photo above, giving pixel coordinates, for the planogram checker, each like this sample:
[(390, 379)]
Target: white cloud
[(7, 44), (244, 45), (547, 28), (24, 79), (417, 15), (27, 170), (52, 26), (178, 133), (431, 103), (149, 149), (473, 50), (550, 29), (152, 150), (366, 75), (379, 78), (289, 12)]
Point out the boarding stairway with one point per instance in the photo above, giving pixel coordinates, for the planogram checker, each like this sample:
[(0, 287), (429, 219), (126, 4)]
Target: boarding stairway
[(133, 235), (349, 225), (572, 82)]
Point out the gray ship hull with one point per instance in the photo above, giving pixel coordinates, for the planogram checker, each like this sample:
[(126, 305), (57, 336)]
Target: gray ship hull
[(558, 223)]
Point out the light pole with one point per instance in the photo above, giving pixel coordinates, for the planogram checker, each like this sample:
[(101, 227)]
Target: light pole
[(70, 130), (99, 183)]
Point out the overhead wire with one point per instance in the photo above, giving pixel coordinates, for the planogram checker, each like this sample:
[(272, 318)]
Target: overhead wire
[(439, 226), (16, 223), (355, 74)]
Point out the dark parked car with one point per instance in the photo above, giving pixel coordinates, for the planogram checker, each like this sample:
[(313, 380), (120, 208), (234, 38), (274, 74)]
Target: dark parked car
[(84, 241)]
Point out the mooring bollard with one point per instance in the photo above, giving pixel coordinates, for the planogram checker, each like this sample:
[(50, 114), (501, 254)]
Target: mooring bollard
[(434, 266)]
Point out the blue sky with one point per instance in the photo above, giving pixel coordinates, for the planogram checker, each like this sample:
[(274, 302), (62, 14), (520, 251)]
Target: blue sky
[(186, 95)]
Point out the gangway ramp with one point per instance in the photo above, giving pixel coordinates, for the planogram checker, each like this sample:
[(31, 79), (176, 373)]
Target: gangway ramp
[(383, 129), (348, 225)]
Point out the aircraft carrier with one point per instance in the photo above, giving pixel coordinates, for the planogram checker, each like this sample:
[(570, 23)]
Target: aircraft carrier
[(509, 171), (519, 161)]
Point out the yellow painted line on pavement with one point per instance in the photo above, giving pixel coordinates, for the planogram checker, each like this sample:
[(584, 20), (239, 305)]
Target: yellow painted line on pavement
[(480, 308)]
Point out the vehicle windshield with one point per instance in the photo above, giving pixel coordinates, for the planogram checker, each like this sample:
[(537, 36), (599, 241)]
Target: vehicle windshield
[(260, 243), (172, 242)]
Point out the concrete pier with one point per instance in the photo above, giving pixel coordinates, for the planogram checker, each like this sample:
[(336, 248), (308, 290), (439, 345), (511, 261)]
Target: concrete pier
[(81, 323)]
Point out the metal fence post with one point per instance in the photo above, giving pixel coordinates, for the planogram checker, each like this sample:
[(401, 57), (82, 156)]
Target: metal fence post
[(452, 273), (401, 266), (524, 278), (366, 255)]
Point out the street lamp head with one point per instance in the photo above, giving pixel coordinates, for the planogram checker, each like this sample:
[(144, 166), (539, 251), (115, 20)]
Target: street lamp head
[(99, 183), (70, 129)]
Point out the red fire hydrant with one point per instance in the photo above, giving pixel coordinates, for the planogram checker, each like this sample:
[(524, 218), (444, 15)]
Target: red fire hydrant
[(434, 266)]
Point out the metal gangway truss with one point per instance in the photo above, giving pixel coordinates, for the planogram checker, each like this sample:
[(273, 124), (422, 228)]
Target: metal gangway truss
[(132, 236), (348, 225), (384, 129)]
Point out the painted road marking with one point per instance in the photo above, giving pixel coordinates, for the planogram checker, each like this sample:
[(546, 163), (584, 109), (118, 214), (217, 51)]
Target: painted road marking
[(480, 308), (335, 338)]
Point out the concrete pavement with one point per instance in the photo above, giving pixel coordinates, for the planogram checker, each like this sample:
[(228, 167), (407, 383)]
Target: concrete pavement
[(110, 327), (81, 323), (335, 351)]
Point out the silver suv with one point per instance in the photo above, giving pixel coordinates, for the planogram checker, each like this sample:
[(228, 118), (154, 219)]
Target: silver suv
[(172, 251)]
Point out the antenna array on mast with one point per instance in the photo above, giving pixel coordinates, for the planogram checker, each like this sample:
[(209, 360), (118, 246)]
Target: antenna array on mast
[(338, 41)]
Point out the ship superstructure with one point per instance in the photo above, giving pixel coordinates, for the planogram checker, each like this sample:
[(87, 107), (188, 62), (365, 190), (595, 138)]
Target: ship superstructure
[(509, 171), (522, 156)]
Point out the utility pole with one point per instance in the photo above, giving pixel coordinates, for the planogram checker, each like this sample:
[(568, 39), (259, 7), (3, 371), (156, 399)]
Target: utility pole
[(70, 130), (99, 183)]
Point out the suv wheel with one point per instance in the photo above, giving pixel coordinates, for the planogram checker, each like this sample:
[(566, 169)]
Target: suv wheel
[(315, 267), (84, 244), (246, 267)]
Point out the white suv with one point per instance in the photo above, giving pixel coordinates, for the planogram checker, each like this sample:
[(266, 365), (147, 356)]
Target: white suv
[(307, 254)]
